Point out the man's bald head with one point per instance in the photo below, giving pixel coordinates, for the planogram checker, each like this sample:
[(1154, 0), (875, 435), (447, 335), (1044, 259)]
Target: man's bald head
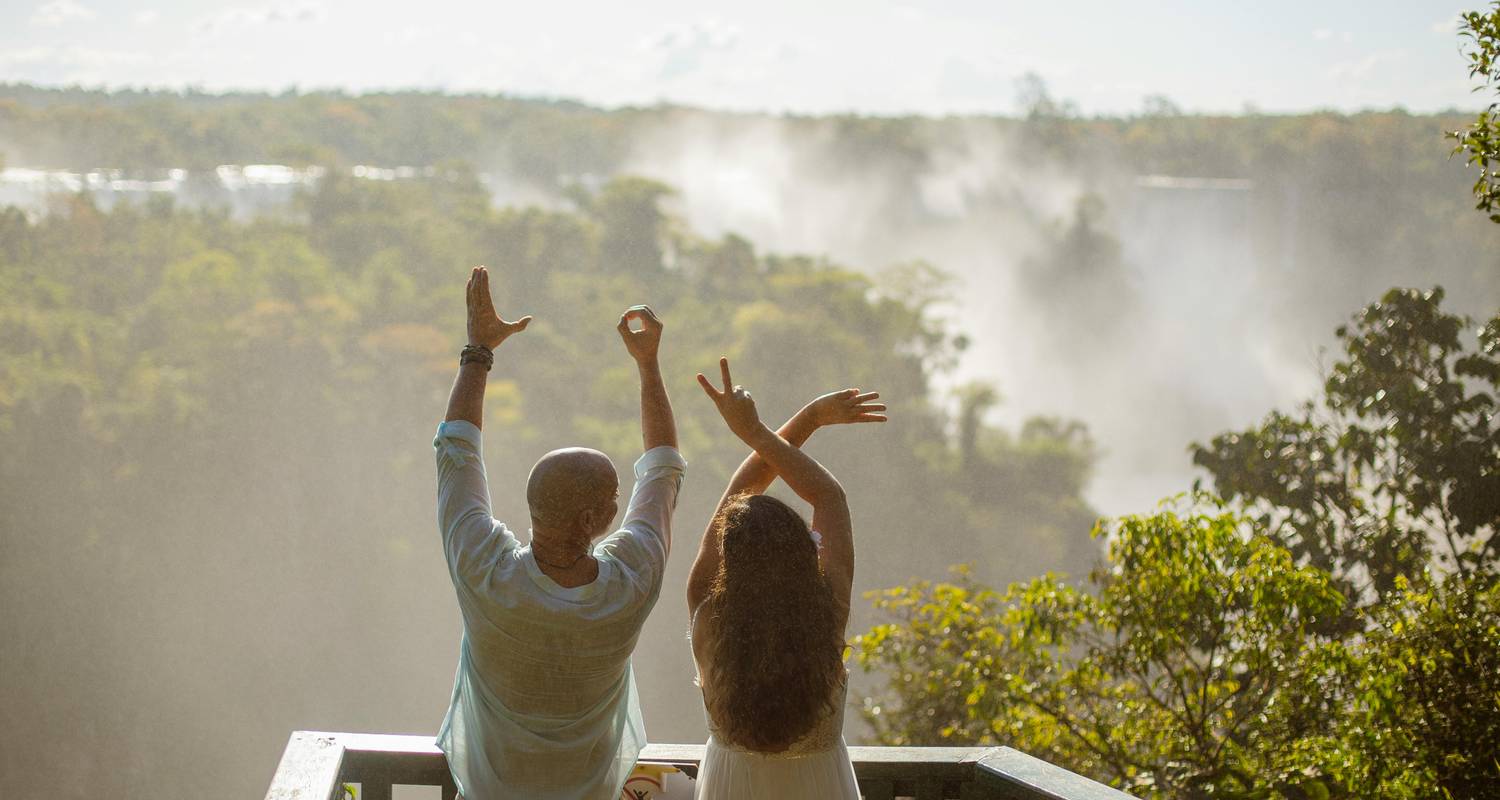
[(564, 483)]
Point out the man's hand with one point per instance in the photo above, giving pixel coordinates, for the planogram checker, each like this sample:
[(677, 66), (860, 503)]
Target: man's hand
[(485, 326), (735, 406), (845, 407), (641, 344)]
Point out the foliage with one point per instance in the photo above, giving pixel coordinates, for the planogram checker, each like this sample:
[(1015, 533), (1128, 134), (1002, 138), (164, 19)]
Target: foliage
[(1344, 204), (1330, 631), (219, 406), (214, 461), (1480, 140), (1418, 698), (1195, 667), (1159, 681), (1399, 456)]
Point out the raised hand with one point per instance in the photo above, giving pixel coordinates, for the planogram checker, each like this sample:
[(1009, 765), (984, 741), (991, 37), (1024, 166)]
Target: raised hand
[(845, 407), (485, 326), (735, 405), (641, 344)]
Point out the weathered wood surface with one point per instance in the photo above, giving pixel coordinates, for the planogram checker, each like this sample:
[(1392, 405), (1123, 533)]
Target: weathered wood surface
[(315, 765), (309, 768), (924, 773), (1009, 774)]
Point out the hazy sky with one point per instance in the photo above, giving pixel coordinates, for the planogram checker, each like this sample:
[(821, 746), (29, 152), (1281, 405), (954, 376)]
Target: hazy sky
[(875, 56)]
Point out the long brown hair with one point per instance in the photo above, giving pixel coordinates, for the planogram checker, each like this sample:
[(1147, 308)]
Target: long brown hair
[(776, 639)]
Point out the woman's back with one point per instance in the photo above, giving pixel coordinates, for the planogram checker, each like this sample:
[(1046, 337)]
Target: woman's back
[(769, 601), (813, 765)]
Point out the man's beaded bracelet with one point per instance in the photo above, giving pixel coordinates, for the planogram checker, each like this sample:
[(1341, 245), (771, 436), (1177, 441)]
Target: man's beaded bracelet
[(477, 353)]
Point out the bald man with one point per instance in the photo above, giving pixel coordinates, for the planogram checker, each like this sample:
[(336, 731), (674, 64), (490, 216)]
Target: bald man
[(544, 704)]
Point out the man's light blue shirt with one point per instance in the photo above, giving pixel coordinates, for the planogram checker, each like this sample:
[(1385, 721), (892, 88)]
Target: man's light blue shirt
[(544, 703)]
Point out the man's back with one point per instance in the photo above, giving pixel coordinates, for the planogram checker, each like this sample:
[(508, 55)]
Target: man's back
[(543, 648), (544, 702)]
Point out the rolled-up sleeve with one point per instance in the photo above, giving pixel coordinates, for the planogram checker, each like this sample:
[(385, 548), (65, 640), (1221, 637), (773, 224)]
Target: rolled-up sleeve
[(471, 535), (644, 539)]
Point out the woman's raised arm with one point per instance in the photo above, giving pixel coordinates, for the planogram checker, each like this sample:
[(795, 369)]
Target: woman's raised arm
[(809, 479), (755, 475)]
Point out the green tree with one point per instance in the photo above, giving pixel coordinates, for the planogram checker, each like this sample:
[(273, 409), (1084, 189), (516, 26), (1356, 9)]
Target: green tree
[(1412, 708), (1197, 663), (1160, 678), (1329, 631), (161, 366), (1480, 140), (1398, 462), (634, 225)]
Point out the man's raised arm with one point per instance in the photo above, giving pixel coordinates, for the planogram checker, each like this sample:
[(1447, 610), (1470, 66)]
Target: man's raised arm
[(463, 500), (658, 428), (486, 332), (647, 528)]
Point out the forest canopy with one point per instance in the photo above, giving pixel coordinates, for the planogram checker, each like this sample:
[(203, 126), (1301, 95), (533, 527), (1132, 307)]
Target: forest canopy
[(214, 426), (221, 407)]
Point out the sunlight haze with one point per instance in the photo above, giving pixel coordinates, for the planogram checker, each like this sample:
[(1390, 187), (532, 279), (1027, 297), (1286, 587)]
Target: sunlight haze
[(874, 57)]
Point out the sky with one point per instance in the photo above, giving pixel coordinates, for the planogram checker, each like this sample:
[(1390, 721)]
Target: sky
[(870, 56)]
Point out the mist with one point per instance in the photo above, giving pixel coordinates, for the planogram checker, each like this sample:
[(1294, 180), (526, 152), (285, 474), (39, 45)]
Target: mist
[(289, 578), (1202, 307)]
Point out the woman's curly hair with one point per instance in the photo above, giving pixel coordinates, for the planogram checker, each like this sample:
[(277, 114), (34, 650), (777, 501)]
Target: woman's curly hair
[(776, 641)]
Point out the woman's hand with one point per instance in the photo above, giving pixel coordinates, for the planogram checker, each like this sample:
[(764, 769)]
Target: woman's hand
[(845, 407), (735, 406)]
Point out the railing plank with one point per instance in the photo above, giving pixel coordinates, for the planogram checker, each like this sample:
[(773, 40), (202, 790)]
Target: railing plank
[(309, 768), (1012, 775), (901, 763), (315, 764)]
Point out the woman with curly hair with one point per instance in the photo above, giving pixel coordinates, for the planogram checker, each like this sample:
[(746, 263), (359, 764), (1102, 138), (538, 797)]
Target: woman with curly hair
[(769, 599)]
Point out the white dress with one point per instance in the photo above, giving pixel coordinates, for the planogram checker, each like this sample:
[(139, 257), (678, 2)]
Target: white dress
[(815, 767)]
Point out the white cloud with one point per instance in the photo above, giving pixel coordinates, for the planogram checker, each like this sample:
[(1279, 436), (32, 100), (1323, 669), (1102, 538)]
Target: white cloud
[(683, 49), (1447, 26), (300, 12), (147, 16), (1355, 69), (411, 33), (706, 35), (71, 64), (1359, 68), (56, 12), (910, 14), (1324, 35)]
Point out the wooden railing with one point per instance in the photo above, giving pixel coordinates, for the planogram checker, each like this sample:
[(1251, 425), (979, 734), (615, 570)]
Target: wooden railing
[(317, 766)]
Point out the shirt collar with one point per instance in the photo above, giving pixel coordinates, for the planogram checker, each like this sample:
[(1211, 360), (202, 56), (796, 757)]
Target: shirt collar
[(553, 589)]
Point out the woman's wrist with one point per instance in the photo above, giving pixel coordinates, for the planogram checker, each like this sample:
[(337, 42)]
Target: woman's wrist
[(758, 436), (801, 426)]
